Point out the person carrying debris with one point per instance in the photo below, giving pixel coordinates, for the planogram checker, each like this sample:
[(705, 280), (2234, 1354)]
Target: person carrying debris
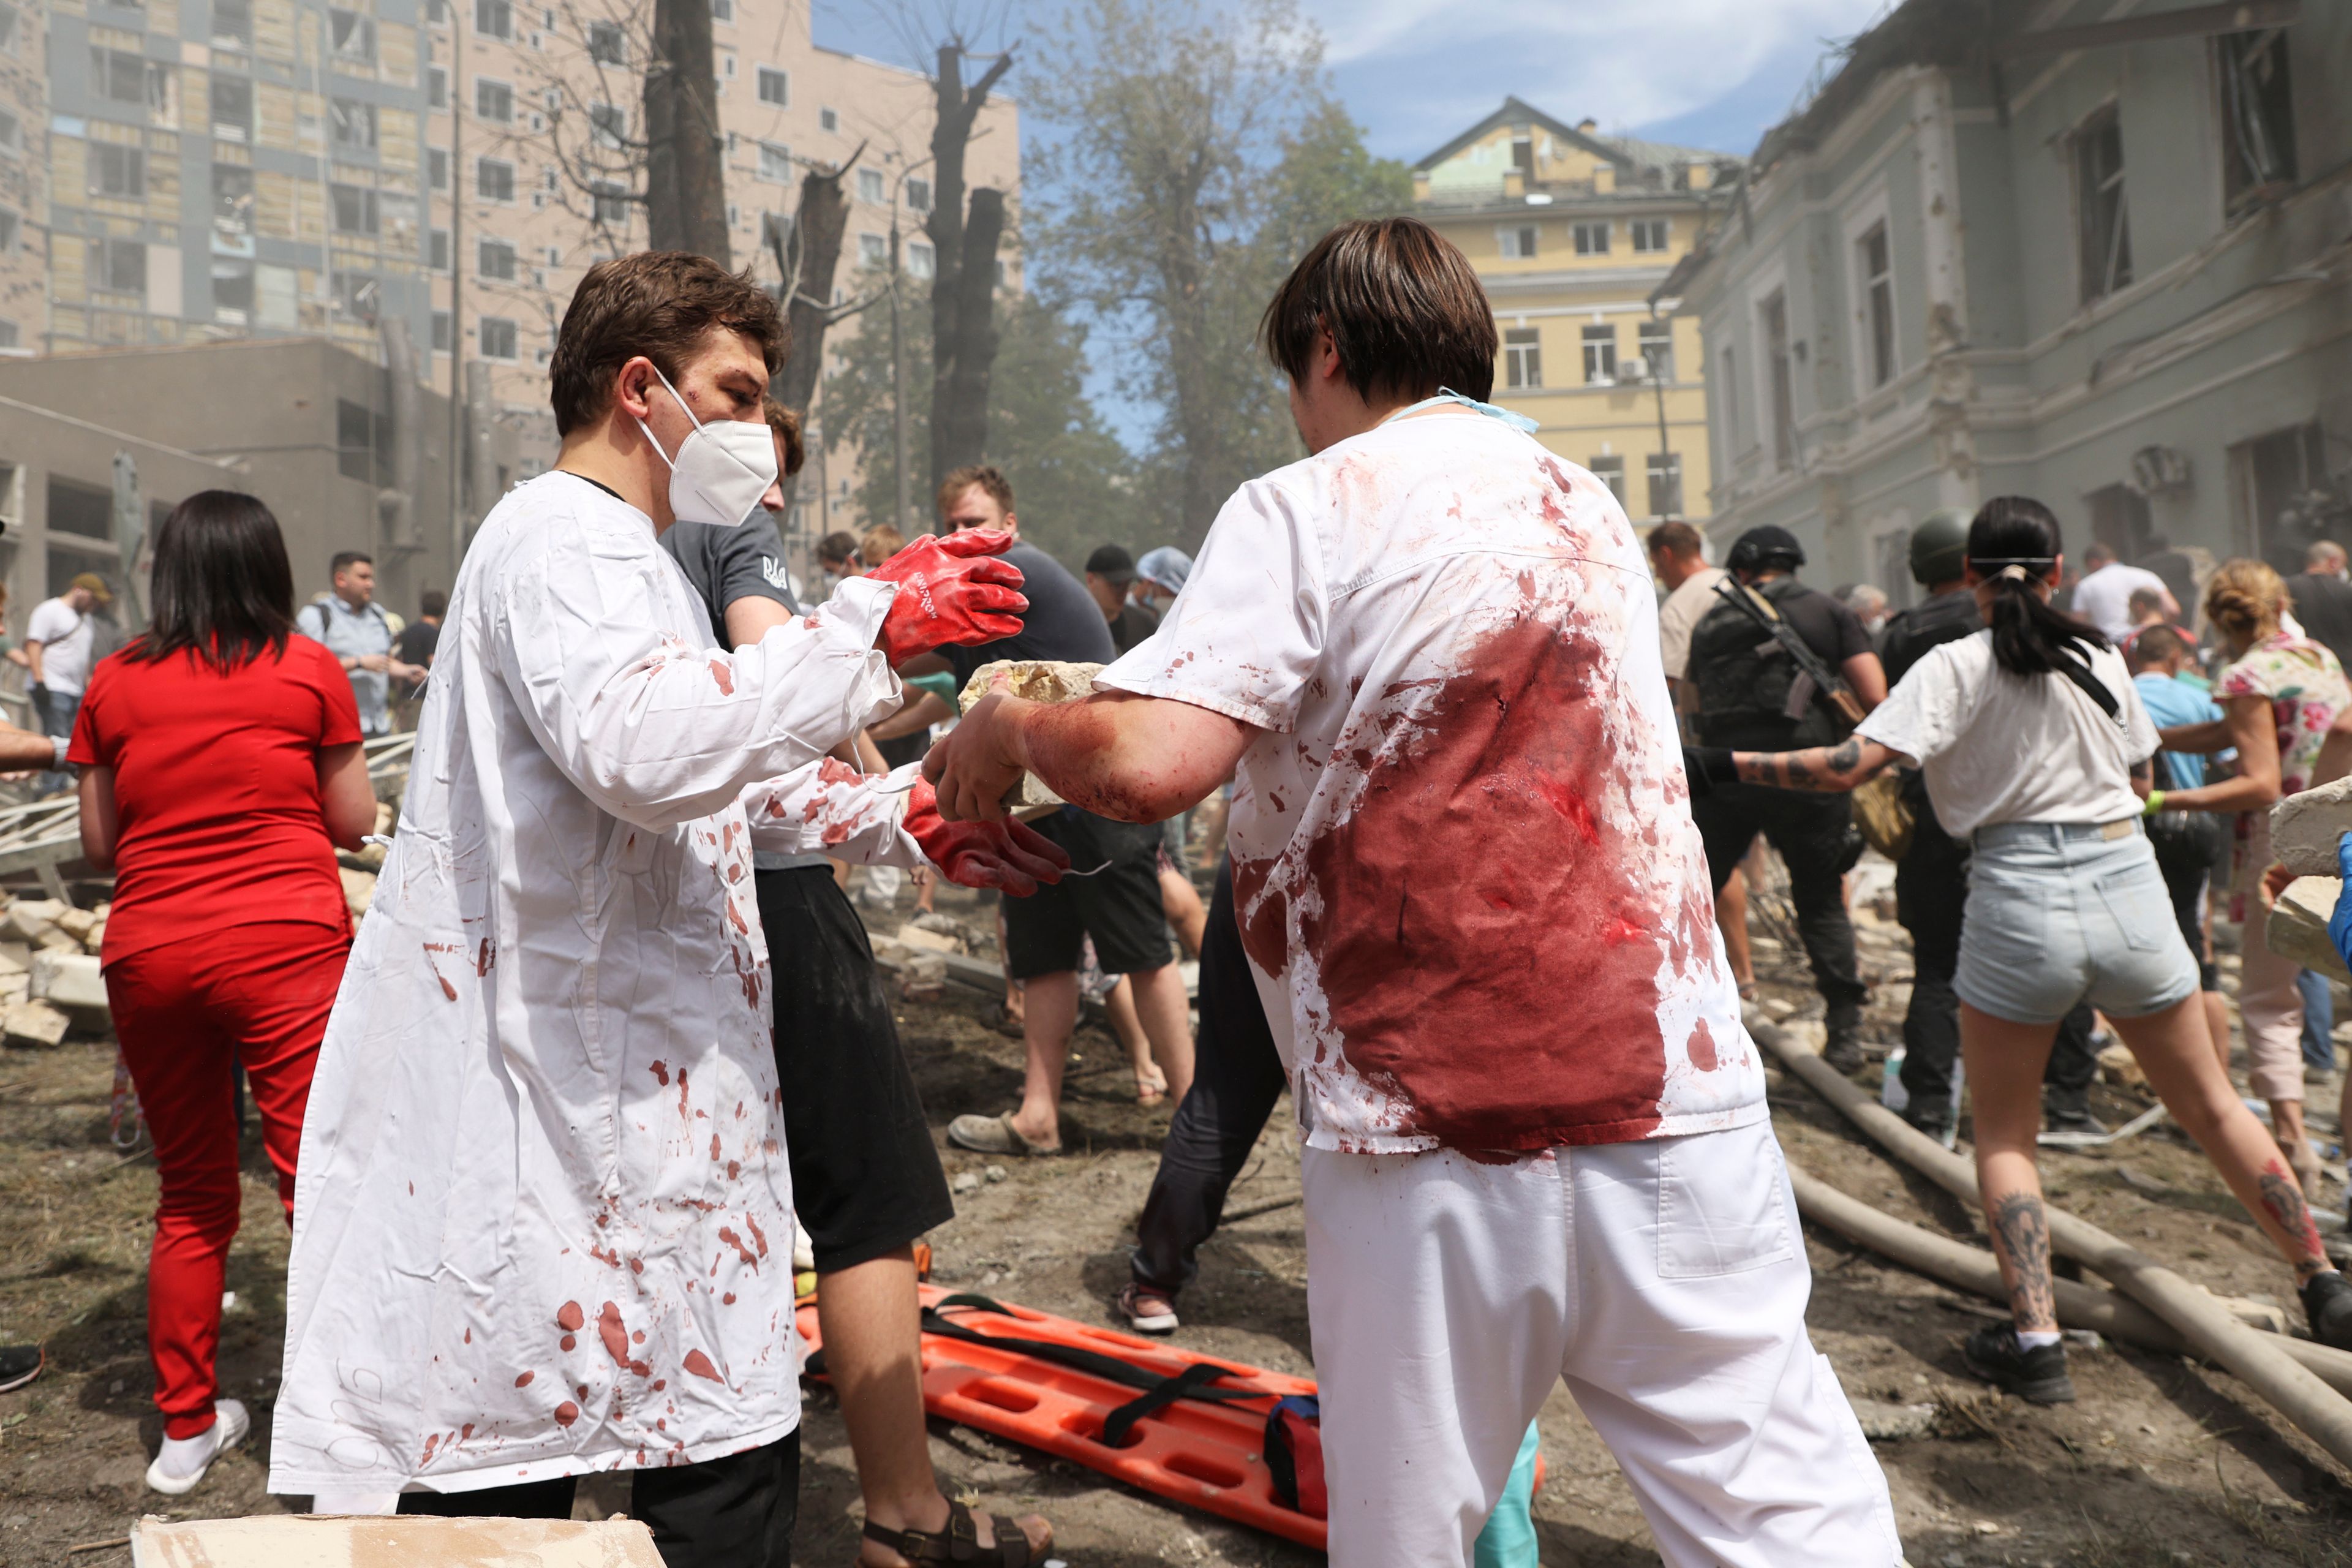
[(2036, 749), (220, 769), (545, 1217), (1475, 908), (1754, 692)]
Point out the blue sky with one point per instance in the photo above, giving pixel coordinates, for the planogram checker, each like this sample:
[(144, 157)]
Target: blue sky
[(1706, 73)]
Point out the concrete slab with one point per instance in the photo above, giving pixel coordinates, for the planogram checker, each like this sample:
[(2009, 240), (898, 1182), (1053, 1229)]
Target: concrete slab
[(310, 1541), (2297, 928), (2305, 829)]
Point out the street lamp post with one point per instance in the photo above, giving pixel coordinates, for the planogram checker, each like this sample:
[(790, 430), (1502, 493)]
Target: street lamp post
[(905, 516)]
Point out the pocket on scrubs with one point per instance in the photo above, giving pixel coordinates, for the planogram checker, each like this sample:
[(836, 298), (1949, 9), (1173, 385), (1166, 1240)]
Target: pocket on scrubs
[(1720, 1205)]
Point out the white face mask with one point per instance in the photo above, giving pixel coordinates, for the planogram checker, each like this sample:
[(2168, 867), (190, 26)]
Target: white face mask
[(721, 469)]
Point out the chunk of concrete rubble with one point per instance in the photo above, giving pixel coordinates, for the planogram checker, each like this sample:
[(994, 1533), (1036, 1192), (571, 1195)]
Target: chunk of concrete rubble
[(359, 890), (1037, 680), (75, 923), (33, 1023), (14, 988), (69, 980), (2118, 1067), (1884, 1422), (2297, 928), (28, 918), (300, 1541), (913, 935), (2305, 826), (55, 940), (922, 975), (15, 957)]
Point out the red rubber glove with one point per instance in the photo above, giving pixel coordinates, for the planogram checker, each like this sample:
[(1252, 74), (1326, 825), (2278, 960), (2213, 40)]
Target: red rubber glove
[(951, 589), (1009, 856)]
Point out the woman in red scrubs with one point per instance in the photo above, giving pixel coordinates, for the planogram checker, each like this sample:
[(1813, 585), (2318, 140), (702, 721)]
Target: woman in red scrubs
[(220, 769)]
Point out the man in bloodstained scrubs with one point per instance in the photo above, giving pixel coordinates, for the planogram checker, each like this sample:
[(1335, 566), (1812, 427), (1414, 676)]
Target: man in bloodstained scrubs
[(1477, 908)]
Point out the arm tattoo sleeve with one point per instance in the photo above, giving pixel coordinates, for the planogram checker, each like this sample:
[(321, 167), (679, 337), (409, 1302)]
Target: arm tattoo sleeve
[(2021, 1231), (2282, 1201)]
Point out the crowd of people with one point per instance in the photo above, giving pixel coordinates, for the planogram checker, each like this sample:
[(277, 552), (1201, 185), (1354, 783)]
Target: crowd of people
[(613, 1030)]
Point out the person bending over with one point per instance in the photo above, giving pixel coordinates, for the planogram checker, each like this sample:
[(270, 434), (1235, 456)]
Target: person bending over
[(2033, 741)]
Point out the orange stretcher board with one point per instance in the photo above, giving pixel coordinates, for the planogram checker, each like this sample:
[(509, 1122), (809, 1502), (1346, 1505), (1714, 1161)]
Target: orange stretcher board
[(1207, 1454)]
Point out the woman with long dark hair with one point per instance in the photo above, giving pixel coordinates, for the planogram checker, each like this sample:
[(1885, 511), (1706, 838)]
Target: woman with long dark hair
[(2036, 750), (220, 769)]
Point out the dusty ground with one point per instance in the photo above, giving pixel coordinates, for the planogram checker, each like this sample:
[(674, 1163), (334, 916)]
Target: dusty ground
[(2161, 1462)]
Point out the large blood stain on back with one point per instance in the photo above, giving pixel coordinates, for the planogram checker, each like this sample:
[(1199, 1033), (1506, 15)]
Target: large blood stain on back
[(1495, 912)]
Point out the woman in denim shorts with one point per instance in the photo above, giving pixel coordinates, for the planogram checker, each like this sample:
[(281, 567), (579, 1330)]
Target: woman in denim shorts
[(2036, 751)]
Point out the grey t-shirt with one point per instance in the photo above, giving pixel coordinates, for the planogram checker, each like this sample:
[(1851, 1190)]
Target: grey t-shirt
[(724, 564)]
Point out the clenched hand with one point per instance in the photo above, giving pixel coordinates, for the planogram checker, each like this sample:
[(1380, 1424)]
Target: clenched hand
[(1009, 856)]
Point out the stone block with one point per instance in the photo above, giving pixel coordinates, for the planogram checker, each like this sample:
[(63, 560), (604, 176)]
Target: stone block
[(2297, 928), (69, 980), (913, 935), (922, 976), (33, 1023), (55, 940), (96, 940), (1038, 681), (359, 890), (27, 918), (14, 988), (15, 957), (75, 923), (2305, 829)]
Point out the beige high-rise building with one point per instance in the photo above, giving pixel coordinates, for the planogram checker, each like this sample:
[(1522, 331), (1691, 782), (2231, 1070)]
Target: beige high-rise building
[(546, 116)]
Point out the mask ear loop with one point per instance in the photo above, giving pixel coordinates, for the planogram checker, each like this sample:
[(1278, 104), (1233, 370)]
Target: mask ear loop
[(674, 399)]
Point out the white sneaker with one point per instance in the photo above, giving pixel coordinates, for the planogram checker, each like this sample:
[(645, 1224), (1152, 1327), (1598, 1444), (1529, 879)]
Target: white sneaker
[(183, 1460)]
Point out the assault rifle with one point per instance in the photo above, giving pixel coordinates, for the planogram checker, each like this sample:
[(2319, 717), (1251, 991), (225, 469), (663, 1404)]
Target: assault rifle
[(1758, 608)]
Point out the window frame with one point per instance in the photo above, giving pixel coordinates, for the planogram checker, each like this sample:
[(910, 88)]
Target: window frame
[(2095, 227), (783, 78), (482, 164), (1584, 232), (1518, 241), (1601, 366), (1640, 228), (513, 334), (487, 246), (1522, 358)]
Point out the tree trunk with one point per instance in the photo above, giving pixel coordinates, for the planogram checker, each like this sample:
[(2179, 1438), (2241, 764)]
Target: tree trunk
[(960, 420), (960, 356), (686, 185), (817, 231)]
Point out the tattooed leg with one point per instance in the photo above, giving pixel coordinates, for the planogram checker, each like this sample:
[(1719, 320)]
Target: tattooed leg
[(2282, 1201), (2020, 1234)]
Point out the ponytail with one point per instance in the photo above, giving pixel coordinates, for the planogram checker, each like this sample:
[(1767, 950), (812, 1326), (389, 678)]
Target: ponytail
[(2013, 543)]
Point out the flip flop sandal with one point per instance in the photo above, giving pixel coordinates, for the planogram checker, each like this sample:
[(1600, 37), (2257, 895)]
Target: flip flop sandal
[(958, 1543), (994, 1135)]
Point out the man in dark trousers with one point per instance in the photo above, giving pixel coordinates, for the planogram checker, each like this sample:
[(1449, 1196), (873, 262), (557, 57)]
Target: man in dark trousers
[(1931, 880), (1749, 686)]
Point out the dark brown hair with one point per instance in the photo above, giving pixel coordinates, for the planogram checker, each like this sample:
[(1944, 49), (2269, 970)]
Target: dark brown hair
[(1403, 308), (987, 476), (1676, 538), (787, 423), (838, 547), (662, 304), (222, 586)]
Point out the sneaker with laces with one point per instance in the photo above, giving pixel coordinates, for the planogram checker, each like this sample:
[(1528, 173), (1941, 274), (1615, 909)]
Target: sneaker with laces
[(1149, 1311), (2039, 1374), (2327, 1302), (183, 1460)]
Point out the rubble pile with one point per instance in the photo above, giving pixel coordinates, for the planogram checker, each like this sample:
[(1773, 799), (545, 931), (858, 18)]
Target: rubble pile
[(49, 982)]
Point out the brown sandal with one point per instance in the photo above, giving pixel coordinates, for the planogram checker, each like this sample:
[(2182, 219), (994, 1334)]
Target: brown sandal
[(958, 1543)]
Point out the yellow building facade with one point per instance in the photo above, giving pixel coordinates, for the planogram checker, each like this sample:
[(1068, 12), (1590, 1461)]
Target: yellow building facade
[(1572, 233)]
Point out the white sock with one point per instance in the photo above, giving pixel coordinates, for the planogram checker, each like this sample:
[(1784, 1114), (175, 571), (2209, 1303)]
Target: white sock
[(2034, 1339)]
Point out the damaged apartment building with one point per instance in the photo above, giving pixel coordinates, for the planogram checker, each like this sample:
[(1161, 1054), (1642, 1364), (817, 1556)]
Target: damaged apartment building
[(2092, 253)]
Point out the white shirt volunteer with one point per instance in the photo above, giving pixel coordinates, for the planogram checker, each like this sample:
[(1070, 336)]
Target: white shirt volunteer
[(545, 1225), (1680, 613), (64, 635), (1464, 860), (2104, 597), (1999, 747)]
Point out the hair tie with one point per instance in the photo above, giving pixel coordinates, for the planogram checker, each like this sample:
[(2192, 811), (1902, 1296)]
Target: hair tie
[(2011, 575)]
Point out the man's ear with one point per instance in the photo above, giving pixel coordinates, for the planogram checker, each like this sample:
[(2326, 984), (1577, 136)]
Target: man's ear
[(633, 385)]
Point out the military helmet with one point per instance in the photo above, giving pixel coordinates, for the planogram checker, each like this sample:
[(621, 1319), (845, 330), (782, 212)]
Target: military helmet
[(1939, 547)]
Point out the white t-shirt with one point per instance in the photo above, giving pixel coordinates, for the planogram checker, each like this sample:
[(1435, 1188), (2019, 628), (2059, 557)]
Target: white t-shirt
[(1463, 860), (1997, 747), (1680, 613), (64, 634), (2103, 598)]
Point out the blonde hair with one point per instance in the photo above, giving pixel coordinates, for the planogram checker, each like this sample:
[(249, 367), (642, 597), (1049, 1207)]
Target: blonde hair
[(881, 542), (2245, 599)]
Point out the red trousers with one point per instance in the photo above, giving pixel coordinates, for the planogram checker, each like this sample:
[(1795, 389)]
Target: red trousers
[(186, 1014)]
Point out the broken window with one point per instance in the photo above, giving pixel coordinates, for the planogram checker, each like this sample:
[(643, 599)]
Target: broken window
[(120, 77), (355, 209), (233, 290), (233, 202), (121, 266), (117, 171), (1522, 357), (233, 23), (2257, 116), (1878, 304), (1592, 240), (2105, 259), (1657, 339), (1601, 355), (357, 295), (351, 123), (1665, 484), (1517, 241), (1774, 315), (353, 36), (232, 101)]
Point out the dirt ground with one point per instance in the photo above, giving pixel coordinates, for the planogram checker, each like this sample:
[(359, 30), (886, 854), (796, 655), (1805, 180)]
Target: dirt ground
[(2161, 1462)]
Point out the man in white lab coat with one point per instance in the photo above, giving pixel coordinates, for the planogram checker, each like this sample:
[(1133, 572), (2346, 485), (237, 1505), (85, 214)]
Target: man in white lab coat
[(544, 1220)]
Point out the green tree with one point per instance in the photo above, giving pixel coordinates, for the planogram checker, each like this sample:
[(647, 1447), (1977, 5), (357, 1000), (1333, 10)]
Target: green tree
[(1074, 482), (1194, 155)]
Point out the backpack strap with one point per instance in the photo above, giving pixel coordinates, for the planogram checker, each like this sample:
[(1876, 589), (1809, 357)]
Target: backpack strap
[(2079, 672)]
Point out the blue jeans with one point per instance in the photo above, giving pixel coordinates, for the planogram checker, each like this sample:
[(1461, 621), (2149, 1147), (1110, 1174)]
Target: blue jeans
[(2318, 1020), (56, 710)]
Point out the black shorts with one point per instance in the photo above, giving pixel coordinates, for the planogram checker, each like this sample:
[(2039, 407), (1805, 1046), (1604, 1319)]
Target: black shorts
[(866, 1175), (1119, 906)]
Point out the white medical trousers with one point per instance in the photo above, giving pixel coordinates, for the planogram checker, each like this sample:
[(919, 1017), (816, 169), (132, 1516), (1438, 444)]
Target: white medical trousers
[(1665, 1279)]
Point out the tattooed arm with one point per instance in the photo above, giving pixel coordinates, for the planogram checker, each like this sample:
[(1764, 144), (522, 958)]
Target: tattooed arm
[(1836, 770)]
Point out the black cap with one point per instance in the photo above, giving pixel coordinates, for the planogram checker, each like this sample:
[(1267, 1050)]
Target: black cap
[(1113, 564), (1767, 545)]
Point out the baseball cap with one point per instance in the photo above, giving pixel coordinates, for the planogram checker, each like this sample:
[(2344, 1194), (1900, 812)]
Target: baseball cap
[(1113, 564), (96, 584)]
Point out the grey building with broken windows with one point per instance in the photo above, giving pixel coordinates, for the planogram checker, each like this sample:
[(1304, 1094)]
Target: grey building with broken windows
[(2060, 248)]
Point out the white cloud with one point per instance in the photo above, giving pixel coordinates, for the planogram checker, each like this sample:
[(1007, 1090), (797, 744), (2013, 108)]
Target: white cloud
[(1622, 62)]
